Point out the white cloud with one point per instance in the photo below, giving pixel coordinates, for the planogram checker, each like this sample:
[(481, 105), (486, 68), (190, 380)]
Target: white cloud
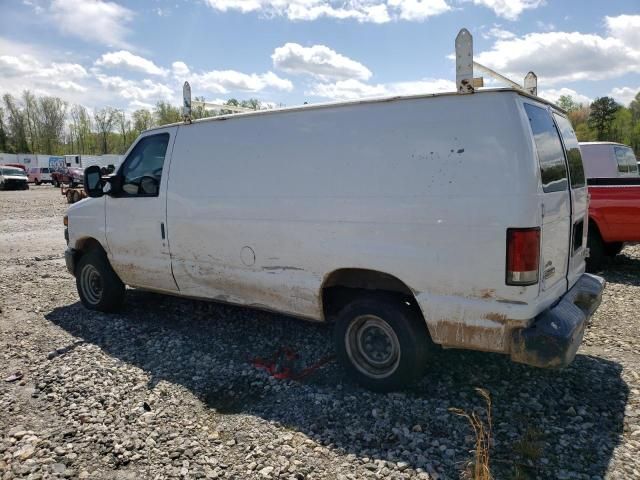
[(559, 57), (128, 60), (416, 10), (223, 81), (97, 21), (179, 69), (136, 89), (624, 95), (319, 61), (509, 9), (625, 27), (374, 11), (353, 89), (499, 33), (553, 95)]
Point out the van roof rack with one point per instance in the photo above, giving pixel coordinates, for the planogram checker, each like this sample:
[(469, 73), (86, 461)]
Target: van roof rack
[(465, 80), (467, 83)]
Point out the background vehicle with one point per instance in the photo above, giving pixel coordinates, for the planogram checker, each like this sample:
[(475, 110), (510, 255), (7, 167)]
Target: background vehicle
[(16, 165), (608, 160), (13, 178), (614, 217), (71, 176), (384, 216), (39, 175)]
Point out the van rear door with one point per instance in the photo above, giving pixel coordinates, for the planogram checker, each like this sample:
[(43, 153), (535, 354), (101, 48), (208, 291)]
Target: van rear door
[(579, 198), (556, 200)]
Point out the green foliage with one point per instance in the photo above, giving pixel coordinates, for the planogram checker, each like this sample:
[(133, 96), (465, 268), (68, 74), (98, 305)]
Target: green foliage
[(566, 102), (164, 113), (605, 120), (603, 112)]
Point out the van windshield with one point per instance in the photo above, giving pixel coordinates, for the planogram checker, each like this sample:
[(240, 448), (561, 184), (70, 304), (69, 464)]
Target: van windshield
[(550, 154), (572, 147), (12, 171)]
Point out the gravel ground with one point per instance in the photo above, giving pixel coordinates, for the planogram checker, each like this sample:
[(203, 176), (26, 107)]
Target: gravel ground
[(165, 389)]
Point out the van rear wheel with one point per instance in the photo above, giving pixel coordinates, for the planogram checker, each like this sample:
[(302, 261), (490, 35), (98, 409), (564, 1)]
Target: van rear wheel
[(383, 343), (99, 287)]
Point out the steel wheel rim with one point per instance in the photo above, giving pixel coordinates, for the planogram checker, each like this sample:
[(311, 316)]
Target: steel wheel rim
[(91, 284), (373, 346)]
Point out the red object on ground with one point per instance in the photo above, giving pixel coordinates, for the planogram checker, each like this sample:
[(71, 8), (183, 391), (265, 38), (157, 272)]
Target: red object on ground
[(283, 365)]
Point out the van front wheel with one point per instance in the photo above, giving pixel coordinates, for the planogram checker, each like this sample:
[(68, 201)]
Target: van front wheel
[(99, 287), (382, 343)]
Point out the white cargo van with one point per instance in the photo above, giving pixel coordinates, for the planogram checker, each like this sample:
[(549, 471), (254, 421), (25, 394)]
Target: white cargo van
[(450, 219)]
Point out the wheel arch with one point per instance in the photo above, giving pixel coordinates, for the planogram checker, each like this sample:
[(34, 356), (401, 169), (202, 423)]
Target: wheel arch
[(341, 285)]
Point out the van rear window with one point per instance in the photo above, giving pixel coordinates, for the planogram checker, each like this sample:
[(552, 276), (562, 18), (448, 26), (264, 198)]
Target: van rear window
[(626, 160), (550, 155), (574, 158)]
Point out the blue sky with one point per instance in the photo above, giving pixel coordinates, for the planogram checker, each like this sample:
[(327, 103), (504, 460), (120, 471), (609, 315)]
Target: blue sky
[(130, 54)]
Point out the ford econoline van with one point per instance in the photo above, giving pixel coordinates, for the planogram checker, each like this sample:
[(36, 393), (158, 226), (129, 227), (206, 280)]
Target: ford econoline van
[(452, 220)]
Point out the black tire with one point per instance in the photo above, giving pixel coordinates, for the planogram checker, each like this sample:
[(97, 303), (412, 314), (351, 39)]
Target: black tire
[(26, 186), (76, 196), (391, 324), (99, 287), (55, 183), (36, 181), (612, 249), (597, 253)]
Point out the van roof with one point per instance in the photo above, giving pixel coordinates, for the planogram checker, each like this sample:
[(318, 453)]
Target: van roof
[(315, 106)]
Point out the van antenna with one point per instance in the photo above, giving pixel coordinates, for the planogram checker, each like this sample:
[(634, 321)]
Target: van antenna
[(467, 83)]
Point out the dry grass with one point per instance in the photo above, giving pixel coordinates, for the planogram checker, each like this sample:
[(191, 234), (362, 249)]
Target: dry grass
[(480, 421)]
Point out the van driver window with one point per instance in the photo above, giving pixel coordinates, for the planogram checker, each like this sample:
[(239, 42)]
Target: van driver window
[(142, 169)]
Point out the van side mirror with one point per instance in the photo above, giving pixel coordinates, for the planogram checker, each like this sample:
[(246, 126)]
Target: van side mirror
[(93, 181)]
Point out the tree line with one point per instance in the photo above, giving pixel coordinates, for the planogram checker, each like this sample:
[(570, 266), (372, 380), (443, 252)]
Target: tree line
[(605, 120), (44, 124)]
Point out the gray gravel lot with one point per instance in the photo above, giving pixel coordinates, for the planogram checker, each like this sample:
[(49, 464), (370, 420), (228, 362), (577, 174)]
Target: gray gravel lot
[(165, 389)]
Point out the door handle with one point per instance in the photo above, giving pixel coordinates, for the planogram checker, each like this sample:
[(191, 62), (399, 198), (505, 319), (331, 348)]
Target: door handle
[(162, 230)]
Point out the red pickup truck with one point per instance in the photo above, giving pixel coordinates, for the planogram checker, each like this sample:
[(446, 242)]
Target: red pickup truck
[(614, 217)]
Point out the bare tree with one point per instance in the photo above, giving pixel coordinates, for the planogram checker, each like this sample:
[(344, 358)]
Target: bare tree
[(142, 120), (125, 129), (31, 119), (81, 122), (52, 113), (105, 120), (16, 124)]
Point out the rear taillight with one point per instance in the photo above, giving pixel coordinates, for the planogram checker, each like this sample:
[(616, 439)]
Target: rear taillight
[(523, 256)]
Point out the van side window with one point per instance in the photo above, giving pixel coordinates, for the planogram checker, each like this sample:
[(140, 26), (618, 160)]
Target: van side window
[(142, 169), (550, 155), (574, 158), (626, 160)]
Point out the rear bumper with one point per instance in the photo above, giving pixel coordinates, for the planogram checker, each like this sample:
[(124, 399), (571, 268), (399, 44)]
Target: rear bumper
[(553, 338)]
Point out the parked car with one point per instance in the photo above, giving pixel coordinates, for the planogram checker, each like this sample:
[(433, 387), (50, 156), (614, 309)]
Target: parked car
[(12, 178), (71, 176), (388, 217), (39, 175), (608, 160)]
